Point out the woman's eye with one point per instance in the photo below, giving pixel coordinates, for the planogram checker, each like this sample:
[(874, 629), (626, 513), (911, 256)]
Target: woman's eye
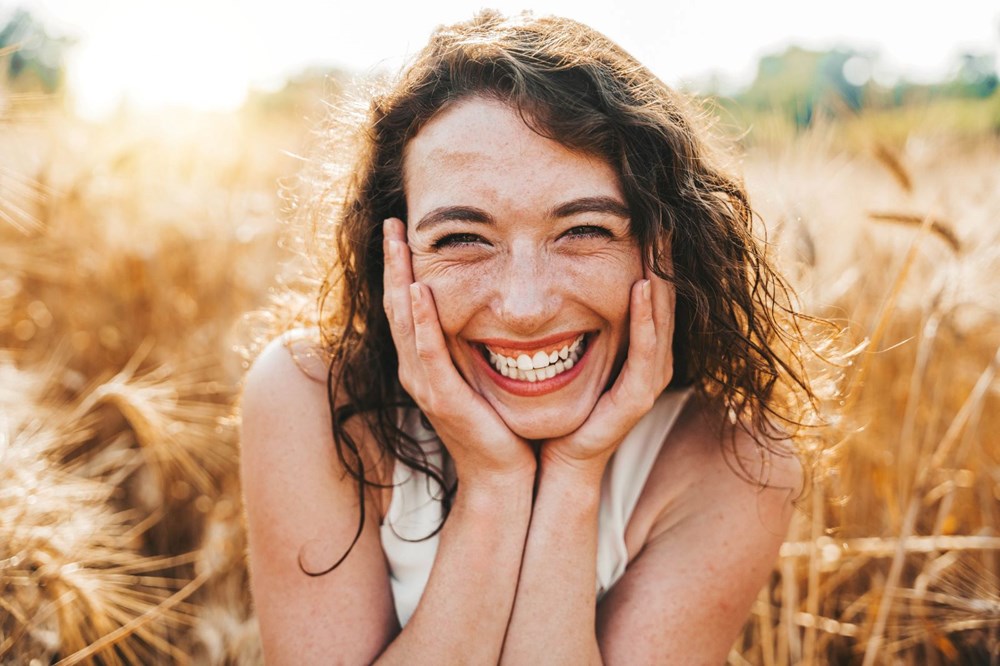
[(588, 231), (457, 240)]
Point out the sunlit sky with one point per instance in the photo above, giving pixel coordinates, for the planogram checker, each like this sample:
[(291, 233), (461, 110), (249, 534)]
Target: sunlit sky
[(206, 54)]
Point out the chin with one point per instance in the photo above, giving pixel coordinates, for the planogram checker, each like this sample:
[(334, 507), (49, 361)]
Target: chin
[(543, 426)]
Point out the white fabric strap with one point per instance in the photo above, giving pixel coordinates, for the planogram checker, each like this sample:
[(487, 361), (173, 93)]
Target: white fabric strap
[(623, 482)]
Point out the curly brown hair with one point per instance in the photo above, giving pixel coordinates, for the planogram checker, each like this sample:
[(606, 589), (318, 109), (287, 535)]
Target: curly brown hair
[(736, 335)]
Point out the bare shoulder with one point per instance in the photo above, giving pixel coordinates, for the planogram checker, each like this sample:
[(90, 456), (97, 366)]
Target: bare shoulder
[(294, 359), (284, 402), (702, 541), (302, 515), (702, 466), (285, 398), (708, 438)]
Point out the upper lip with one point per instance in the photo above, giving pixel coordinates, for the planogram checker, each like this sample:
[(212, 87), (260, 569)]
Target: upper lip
[(565, 336)]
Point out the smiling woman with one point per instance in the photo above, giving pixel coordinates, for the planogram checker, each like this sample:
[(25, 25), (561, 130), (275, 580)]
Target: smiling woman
[(546, 426), (527, 248)]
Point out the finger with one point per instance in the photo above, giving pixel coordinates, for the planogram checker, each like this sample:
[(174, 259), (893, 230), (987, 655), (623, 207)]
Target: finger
[(441, 376), (633, 393), (635, 384), (386, 280), (402, 263), (400, 279), (393, 228), (390, 231), (664, 300)]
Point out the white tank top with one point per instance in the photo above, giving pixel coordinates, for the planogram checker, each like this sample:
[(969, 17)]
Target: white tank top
[(415, 509)]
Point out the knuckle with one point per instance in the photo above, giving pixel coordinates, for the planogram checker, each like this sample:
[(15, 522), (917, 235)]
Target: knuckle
[(405, 383), (426, 354), (419, 318), (432, 405), (641, 399), (646, 403), (400, 323)]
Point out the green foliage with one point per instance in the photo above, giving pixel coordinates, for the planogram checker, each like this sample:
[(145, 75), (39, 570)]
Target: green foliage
[(34, 59), (799, 81), (802, 86)]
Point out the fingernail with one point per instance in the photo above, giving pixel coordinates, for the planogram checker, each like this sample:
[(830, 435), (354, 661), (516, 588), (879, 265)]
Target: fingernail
[(415, 293), (388, 228), (645, 290)]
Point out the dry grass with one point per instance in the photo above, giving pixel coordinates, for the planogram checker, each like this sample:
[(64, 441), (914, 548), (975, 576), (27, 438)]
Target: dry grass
[(129, 253), (893, 558)]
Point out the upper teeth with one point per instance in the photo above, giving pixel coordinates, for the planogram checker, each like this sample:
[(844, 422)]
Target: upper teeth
[(540, 365)]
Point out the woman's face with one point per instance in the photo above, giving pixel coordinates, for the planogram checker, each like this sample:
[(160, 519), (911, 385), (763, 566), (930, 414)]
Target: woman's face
[(527, 248)]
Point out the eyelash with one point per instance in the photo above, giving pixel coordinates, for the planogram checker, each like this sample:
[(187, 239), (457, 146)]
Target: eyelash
[(589, 231), (451, 240), (582, 231)]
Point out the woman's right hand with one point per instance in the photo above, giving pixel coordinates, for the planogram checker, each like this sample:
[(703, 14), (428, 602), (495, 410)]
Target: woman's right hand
[(483, 447)]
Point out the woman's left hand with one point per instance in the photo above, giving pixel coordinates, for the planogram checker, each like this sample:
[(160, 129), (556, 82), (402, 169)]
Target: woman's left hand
[(648, 369)]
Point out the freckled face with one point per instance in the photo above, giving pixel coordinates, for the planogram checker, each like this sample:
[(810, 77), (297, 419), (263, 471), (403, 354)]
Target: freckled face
[(527, 249)]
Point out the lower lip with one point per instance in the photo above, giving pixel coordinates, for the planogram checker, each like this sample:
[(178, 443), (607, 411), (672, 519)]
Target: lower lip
[(531, 389)]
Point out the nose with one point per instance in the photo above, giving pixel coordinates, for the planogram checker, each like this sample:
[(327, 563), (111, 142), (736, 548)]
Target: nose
[(526, 296)]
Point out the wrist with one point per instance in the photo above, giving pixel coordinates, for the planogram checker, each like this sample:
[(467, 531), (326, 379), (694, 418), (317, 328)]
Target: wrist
[(555, 462), (578, 480), (488, 487)]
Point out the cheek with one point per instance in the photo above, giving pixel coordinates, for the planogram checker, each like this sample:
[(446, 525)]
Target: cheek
[(458, 290), (604, 282)]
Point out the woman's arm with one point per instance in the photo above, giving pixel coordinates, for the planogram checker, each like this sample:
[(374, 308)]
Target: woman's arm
[(300, 501), (706, 538), (699, 561), (554, 612), (299, 498)]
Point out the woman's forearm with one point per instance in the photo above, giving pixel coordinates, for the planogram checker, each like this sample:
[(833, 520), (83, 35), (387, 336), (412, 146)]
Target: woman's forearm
[(465, 608), (555, 607)]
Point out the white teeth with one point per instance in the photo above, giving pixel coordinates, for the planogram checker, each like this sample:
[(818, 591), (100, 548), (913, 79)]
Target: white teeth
[(539, 366)]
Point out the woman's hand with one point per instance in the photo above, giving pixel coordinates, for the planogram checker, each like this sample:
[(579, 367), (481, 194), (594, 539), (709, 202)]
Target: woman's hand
[(648, 369), (479, 442)]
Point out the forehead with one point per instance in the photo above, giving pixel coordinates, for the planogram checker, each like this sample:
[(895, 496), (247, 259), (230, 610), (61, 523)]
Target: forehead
[(482, 149)]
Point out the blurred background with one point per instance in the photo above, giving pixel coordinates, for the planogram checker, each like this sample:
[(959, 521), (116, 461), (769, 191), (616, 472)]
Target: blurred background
[(149, 155)]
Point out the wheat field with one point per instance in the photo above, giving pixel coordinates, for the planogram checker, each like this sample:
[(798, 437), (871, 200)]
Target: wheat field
[(131, 252)]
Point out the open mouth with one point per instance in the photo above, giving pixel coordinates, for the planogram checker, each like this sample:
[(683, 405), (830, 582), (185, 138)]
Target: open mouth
[(539, 365)]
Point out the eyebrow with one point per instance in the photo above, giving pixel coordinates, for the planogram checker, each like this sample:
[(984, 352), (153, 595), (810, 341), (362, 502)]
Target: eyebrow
[(599, 204), (602, 204), (448, 213)]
